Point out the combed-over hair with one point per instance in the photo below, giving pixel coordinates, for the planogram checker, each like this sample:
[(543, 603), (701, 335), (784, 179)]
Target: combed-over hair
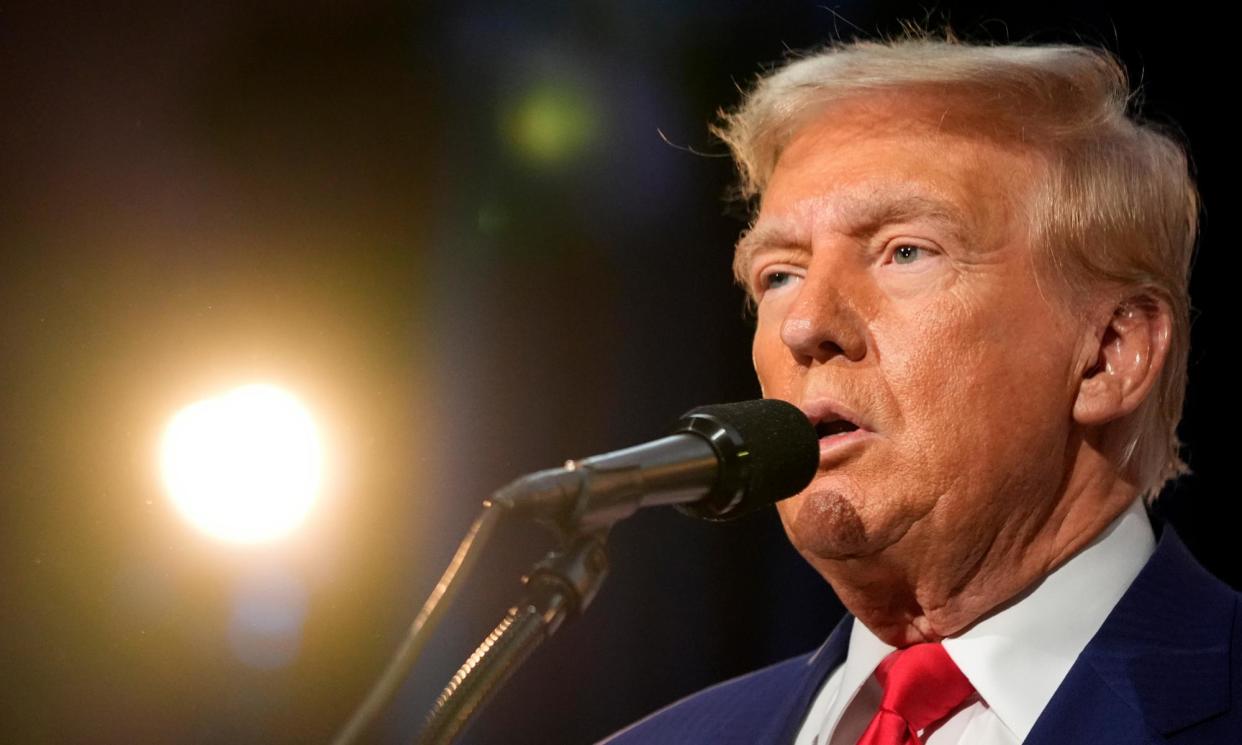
[(1116, 208)]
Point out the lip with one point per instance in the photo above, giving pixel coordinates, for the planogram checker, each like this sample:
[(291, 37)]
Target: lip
[(831, 447), (827, 410)]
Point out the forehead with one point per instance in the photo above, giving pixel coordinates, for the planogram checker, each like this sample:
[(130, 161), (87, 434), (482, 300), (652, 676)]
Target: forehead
[(856, 209), (891, 157)]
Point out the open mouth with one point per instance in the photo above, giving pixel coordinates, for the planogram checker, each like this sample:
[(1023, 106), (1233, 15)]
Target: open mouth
[(834, 427)]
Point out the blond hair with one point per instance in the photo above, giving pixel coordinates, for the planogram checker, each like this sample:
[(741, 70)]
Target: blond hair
[(1117, 206)]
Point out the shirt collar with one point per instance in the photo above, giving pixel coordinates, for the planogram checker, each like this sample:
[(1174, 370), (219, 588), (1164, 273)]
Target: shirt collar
[(1017, 657)]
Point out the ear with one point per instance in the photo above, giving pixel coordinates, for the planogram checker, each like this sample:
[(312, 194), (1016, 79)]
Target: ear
[(1126, 359)]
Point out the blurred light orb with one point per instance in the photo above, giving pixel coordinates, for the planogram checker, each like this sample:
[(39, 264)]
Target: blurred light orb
[(244, 466), (552, 123)]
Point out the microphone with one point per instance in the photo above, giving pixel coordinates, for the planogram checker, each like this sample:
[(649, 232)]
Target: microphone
[(720, 462)]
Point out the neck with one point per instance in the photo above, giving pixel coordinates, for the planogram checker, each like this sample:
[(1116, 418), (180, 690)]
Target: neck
[(939, 580)]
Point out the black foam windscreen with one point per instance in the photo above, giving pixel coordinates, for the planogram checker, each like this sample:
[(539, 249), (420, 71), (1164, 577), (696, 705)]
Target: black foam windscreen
[(768, 451)]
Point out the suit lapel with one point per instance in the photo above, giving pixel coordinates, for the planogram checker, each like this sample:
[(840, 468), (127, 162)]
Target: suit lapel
[(1158, 665), (786, 719)]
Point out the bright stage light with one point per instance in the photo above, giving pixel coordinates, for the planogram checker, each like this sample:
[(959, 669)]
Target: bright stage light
[(244, 466)]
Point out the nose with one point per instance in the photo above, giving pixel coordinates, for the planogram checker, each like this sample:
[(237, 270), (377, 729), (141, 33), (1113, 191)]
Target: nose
[(822, 322)]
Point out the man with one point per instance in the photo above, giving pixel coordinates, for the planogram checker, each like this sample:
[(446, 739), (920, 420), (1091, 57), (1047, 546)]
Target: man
[(969, 266)]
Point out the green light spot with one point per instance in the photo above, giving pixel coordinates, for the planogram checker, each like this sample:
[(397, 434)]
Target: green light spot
[(551, 124)]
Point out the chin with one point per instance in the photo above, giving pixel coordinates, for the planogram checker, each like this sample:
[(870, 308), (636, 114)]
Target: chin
[(823, 523)]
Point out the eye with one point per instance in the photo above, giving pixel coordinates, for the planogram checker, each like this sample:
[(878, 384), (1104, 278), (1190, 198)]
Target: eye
[(908, 254), (773, 280), (776, 278)]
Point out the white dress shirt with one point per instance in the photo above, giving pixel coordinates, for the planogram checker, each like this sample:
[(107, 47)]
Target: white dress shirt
[(1016, 658)]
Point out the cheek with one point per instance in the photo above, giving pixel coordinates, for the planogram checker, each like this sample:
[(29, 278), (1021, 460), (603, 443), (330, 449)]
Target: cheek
[(771, 360), (930, 359), (976, 377), (952, 386)]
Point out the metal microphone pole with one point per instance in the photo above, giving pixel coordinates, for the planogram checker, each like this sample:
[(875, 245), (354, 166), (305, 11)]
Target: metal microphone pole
[(559, 586)]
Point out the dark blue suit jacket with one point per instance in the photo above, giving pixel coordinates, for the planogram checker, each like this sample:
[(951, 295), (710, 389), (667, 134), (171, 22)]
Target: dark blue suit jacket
[(1166, 667)]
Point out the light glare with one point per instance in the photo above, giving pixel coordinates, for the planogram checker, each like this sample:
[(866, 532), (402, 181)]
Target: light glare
[(244, 466)]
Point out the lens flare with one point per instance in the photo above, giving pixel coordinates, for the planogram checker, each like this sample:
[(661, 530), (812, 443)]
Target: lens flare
[(244, 466), (552, 123), (269, 609)]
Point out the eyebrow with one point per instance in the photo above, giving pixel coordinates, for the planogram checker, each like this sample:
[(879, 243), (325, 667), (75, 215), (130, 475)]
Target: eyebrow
[(861, 218), (764, 236)]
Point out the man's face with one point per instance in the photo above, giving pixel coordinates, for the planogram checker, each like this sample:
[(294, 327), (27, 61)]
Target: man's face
[(893, 270)]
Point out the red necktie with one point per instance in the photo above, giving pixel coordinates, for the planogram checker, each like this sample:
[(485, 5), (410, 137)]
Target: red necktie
[(922, 685)]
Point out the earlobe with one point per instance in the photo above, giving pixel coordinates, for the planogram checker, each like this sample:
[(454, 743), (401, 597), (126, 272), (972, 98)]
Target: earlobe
[(1129, 355)]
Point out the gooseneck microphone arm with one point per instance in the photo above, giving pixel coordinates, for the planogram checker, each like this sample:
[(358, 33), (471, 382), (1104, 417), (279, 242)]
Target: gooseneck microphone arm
[(385, 688), (559, 586)]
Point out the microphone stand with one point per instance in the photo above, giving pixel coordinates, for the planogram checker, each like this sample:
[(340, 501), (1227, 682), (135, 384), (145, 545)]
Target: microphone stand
[(721, 462), (562, 584)]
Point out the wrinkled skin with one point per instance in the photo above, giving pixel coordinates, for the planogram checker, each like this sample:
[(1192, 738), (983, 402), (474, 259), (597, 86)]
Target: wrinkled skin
[(894, 279)]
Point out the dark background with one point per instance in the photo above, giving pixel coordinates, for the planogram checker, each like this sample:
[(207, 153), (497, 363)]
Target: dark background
[(477, 238)]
